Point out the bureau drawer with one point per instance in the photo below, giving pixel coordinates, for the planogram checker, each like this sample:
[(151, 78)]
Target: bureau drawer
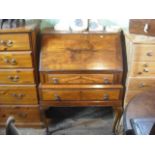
[(16, 76), (24, 115), (141, 83), (13, 94), (79, 94), (78, 78), (143, 69), (15, 60), (18, 41), (144, 52)]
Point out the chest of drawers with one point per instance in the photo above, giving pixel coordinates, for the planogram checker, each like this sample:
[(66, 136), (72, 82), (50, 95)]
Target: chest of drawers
[(81, 69), (18, 76), (141, 65)]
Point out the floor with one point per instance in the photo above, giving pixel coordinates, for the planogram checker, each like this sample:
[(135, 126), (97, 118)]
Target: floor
[(79, 121)]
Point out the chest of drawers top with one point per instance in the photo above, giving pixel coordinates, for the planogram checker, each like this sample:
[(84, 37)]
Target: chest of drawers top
[(81, 52)]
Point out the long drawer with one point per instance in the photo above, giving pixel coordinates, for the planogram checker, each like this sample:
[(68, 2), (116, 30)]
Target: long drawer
[(24, 115), (16, 76), (144, 52), (141, 83), (77, 78), (14, 94), (15, 60), (18, 41), (82, 93)]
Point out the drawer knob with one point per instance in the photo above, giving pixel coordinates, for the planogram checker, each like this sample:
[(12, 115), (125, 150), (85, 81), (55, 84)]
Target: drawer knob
[(18, 96), (149, 54), (55, 80), (106, 97), (146, 28), (9, 43), (146, 70), (106, 81), (13, 78), (13, 61), (57, 97)]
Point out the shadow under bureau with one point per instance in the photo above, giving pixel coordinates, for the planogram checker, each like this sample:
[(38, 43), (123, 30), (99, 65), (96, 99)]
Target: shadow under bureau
[(81, 69), (18, 76)]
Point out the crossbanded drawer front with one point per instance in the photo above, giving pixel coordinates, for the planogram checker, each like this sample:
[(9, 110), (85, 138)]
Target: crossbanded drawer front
[(141, 83), (15, 60), (16, 76), (22, 114), (83, 95), (18, 41), (14, 94), (143, 69), (144, 52), (78, 78)]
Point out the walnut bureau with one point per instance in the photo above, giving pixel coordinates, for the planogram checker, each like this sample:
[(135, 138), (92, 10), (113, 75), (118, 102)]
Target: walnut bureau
[(141, 65), (81, 69), (18, 76)]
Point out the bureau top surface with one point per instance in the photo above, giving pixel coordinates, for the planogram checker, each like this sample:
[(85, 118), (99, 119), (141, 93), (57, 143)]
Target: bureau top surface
[(80, 52)]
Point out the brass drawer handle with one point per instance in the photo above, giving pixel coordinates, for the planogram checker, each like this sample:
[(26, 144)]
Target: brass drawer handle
[(18, 96), (13, 78), (149, 54), (146, 70), (106, 81), (57, 97), (7, 43), (105, 97), (55, 80), (13, 61), (145, 65), (8, 61)]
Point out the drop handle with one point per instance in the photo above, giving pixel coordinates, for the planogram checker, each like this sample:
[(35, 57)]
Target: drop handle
[(6, 60), (13, 61), (9, 43), (141, 85), (149, 54), (18, 96), (13, 78), (57, 97), (105, 97), (55, 80), (106, 81), (146, 70)]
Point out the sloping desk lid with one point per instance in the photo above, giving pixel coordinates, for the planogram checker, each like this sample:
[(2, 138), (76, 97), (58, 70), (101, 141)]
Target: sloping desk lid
[(81, 52)]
